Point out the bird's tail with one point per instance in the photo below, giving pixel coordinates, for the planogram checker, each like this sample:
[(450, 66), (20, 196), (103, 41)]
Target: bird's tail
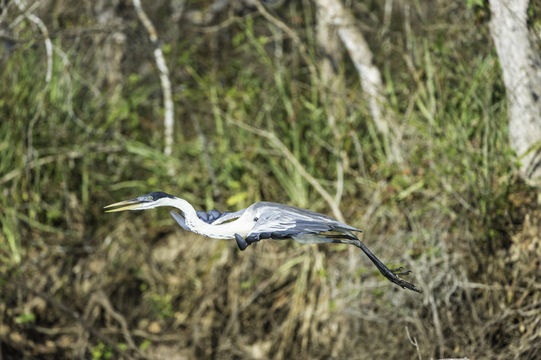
[(335, 235)]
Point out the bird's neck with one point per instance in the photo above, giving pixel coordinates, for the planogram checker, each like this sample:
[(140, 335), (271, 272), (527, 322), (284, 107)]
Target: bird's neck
[(198, 226)]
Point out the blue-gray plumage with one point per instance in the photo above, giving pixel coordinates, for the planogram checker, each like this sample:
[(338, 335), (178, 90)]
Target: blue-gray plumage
[(263, 220)]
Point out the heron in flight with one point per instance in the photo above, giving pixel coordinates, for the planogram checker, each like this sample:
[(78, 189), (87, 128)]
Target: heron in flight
[(262, 220)]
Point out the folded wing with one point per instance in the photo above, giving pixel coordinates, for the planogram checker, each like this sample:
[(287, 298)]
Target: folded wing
[(227, 216), (278, 221)]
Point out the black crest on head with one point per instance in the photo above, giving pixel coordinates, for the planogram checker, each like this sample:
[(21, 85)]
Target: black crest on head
[(153, 196)]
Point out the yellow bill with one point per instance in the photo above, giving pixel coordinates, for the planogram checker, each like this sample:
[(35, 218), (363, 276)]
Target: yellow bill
[(124, 205)]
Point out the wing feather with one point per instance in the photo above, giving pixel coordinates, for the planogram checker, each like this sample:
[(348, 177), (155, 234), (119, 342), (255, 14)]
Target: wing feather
[(226, 216), (180, 220), (278, 221), (216, 217)]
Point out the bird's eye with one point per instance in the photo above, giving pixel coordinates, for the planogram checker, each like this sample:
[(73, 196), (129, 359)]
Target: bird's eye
[(256, 218)]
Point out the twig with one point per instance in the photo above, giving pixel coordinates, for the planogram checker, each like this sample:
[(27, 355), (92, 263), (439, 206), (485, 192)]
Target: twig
[(498, 287), (293, 160), (48, 44), (221, 26), (413, 341), (339, 181), (206, 158), (164, 77), (329, 43), (359, 152), (434, 308)]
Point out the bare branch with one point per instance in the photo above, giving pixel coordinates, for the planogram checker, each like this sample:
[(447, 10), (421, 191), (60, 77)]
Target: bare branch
[(164, 77), (413, 342)]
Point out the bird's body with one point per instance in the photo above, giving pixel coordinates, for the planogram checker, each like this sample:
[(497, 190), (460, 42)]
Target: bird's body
[(262, 220)]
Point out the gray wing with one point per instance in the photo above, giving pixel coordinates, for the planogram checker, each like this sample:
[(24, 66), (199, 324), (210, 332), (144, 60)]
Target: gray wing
[(278, 221), (209, 216), (226, 216), (180, 220), (215, 217)]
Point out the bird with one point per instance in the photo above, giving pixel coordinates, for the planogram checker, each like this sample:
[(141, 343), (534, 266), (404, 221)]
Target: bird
[(259, 221)]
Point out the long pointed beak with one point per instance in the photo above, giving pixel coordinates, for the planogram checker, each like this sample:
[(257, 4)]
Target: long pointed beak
[(125, 205)]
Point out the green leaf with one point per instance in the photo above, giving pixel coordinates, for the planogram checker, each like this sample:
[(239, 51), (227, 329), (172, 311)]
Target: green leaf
[(25, 318), (237, 198)]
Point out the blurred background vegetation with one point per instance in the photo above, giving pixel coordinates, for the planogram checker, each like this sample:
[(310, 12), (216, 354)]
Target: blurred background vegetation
[(78, 283)]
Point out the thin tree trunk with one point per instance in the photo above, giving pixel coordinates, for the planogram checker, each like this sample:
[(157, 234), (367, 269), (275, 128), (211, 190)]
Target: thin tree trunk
[(361, 56), (164, 78), (333, 90), (112, 46), (520, 65)]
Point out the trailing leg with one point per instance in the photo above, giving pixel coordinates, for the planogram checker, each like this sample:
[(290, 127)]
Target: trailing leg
[(392, 275)]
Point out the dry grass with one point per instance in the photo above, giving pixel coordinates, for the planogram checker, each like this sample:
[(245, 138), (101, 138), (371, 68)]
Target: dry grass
[(171, 293)]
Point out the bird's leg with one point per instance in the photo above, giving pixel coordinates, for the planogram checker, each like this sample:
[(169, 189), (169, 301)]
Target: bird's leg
[(241, 243), (383, 269)]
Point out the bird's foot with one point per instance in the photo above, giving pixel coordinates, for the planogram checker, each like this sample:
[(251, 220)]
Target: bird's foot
[(241, 243), (392, 274), (400, 271)]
